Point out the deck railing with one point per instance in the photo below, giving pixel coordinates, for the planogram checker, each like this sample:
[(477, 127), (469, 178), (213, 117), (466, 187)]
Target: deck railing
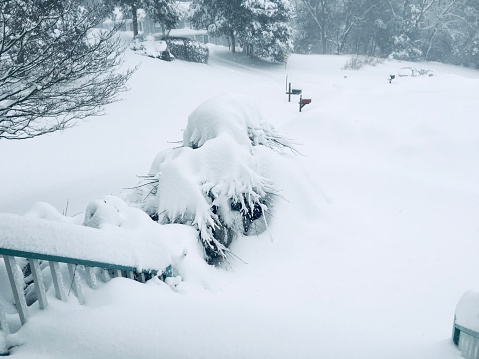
[(13, 245), (467, 341)]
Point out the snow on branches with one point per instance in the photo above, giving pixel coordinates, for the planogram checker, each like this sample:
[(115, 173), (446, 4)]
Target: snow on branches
[(55, 68)]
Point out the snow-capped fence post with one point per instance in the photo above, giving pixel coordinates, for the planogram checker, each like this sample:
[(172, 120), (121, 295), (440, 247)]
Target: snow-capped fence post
[(116, 273), (90, 277), (4, 331), (38, 281), (104, 276), (58, 281), (15, 277)]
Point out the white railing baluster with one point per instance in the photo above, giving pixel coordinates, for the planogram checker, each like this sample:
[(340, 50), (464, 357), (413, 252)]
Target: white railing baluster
[(75, 282), (15, 277), (39, 285), (104, 276), (142, 277), (130, 274), (58, 281), (117, 273), (91, 277), (4, 331)]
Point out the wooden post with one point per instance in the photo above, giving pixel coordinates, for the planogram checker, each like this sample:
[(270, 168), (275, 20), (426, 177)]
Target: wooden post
[(289, 92), (91, 277), (15, 277), (39, 285), (4, 332), (58, 281), (76, 284)]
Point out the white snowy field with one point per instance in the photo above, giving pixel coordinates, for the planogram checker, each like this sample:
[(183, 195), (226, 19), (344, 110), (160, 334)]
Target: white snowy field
[(370, 250)]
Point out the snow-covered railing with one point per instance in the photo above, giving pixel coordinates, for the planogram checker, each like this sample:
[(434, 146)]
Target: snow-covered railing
[(85, 251), (465, 332)]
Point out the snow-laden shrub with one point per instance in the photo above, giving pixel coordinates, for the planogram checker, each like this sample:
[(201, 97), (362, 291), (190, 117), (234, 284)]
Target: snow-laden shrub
[(413, 72), (357, 62), (214, 181), (186, 49), (151, 48)]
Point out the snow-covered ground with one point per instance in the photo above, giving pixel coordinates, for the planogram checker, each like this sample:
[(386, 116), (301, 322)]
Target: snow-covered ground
[(368, 253)]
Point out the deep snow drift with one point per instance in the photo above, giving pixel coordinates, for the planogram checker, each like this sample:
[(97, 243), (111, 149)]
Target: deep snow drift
[(372, 244)]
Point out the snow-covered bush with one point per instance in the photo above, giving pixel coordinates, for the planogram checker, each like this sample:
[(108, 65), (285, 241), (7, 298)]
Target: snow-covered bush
[(214, 182), (357, 62), (151, 48), (186, 49), (413, 72)]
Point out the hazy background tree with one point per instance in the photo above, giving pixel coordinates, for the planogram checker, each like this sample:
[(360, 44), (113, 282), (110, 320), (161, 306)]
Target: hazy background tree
[(267, 33), (220, 18), (438, 30), (129, 9), (164, 12), (54, 69)]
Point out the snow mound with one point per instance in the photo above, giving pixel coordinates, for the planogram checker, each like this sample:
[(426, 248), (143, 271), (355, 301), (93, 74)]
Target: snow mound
[(43, 210), (413, 72), (467, 311), (113, 211), (234, 115)]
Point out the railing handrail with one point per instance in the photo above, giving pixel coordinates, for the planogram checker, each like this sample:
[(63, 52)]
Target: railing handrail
[(44, 239), (71, 260)]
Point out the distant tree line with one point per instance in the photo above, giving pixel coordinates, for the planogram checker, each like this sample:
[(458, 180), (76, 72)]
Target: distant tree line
[(432, 30), (416, 30)]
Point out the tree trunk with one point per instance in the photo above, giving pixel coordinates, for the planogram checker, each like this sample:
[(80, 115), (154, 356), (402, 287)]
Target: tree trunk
[(233, 42), (135, 20)]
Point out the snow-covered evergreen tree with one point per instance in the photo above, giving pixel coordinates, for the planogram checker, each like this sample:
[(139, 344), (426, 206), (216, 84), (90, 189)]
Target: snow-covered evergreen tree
[(261, 26), (165, 12), (269, 34)]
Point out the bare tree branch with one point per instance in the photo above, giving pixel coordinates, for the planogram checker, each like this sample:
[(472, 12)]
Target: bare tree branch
[(55, 66)]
